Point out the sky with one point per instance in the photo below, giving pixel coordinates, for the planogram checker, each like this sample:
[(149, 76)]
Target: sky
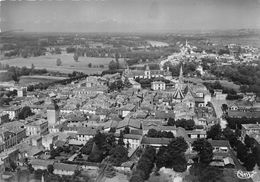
[(128, 15)]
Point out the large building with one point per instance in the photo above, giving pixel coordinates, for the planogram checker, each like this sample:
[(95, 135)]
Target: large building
[(52, 114), (147, 73), (250, 130), (38, 127)]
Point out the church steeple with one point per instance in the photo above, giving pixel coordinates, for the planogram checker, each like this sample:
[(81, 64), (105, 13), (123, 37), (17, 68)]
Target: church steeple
[(181, 75)]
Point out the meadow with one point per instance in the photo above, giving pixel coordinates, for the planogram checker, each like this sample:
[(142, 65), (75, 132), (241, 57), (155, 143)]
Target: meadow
[(68, 63)]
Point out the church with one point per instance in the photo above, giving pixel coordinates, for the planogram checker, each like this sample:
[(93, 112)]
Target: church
[(190, 94)]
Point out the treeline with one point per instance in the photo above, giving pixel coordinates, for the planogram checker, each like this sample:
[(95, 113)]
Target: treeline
[(232, 94), (246, 76), (144, 166), (28, 51), (235, 123)]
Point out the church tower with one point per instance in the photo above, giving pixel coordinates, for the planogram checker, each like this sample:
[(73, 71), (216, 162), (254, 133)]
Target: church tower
[(52, 114)]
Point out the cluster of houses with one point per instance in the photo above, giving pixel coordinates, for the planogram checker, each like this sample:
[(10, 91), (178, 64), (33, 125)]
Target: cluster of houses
[(74, 113)]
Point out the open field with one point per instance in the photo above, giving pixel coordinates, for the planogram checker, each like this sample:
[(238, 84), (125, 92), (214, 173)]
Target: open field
[(68, 63)]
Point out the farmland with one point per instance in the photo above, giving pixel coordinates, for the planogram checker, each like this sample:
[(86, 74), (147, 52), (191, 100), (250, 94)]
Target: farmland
[(68, 64)]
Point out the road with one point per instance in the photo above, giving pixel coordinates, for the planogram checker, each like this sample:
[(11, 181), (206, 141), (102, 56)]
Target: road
[(217, 104)]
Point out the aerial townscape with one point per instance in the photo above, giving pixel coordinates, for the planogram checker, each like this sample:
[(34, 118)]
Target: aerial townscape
[(138, 107)]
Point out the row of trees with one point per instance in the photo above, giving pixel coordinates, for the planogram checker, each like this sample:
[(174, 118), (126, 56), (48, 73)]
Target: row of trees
[(232, 94), (144, 166), (247, 76), (186, 124), (159, 134)]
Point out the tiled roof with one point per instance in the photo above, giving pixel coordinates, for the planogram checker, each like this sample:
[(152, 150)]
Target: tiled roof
[(39, 162), (159, 141), (248, 114), (132, 136), (135, 123), (65, 167), (219, 143), (86, 131)]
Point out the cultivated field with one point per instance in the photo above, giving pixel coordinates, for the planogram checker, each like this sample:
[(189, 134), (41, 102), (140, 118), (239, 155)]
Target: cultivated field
[(68, 63)]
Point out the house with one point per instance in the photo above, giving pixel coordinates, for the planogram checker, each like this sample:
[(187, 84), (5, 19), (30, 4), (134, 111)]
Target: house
[(250, 130), (110, 124), (13, 112), (220, 146), (155, 142), (17, 128), (8, 138), (132, 140), (85, 133), (222, 162), (21, 92), (65, 169), (194, 134), (9, 155), (40, 164), (158, 85), (131, 123), (126, 109), (218, 94), (38, 127), (49, 140)]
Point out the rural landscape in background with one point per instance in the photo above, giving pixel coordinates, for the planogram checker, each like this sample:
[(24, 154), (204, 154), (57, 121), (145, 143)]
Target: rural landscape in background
[(130, 90)]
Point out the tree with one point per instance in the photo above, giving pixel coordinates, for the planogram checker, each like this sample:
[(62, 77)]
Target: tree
[(137, 176), (50, 168), (249, 142), (204, 149), (171, 122), (180, 164), (13, 165), (57, 50), (215, 132), (76, 57), (224, 107), (152, 133), (172, 156), (161, 158), (118, 155), (25, 112), (112, 65), (250, 162), (88, 147), (121, 139), (241, 152), (32, 66), (58, 62)]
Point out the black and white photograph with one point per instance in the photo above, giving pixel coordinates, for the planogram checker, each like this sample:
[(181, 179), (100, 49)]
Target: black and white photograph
[(129, 90)]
